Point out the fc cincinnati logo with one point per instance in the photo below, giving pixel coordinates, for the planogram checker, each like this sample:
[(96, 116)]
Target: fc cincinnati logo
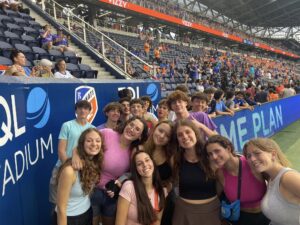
[(88, 93)]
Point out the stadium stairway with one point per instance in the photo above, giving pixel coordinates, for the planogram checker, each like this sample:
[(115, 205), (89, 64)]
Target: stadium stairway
[(102, 73)]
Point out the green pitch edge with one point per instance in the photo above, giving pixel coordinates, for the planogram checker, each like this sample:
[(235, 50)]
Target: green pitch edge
[(289, 142)]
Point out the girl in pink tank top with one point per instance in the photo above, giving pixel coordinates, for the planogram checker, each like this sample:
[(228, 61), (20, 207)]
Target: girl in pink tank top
[(220, 152)]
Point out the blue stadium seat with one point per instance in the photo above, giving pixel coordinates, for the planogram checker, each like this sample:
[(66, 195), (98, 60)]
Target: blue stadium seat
[(25, 16), (29, 64), (21, 22), (12, 38), (14, 28), (6, 49), (34, 25), (87, 71), (71, 57), (26, 50), (29, 41), (74, 69), (55, 55), (2, 27), (2, 37), (5, 61), (5, 19), (31, 32), (11, 13), (40, 53)]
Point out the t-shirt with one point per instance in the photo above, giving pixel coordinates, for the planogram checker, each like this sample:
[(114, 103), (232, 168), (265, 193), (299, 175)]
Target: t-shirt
[(203, 118), (220, 106), (116, 160), (128, 193), (71, 131), (61, 75)]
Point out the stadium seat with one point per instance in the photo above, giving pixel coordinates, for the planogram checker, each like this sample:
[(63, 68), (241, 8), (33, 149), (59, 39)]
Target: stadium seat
[(6, 49), (28, 64), (5, 61), (55, 55), (40, 53), (5, 19), (21, 22), (12, 38), (11, 13), (87, 71), (31, 32), (2, 37), (34, 25), (74, 69), (29, 41), (71, 57), (2, 27), (14, 28), (26, 50), (25, 16)]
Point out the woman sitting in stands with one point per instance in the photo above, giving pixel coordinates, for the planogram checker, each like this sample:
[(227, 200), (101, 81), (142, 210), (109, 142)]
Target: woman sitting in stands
[(74, 187), (141, 200), (61, 71), (198, 202), (220, 152), (19, 67), (282, 200)]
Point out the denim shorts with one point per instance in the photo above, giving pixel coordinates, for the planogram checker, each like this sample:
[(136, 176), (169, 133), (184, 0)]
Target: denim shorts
[(102, 204)]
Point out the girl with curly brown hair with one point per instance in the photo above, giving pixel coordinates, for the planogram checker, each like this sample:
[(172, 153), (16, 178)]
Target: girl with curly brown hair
[(74, 187)]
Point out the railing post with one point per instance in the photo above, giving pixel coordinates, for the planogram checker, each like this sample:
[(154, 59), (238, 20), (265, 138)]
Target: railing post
[(54, 11), (103, 46), (84, 32), (43, 5), (125, 66), (68, 19)]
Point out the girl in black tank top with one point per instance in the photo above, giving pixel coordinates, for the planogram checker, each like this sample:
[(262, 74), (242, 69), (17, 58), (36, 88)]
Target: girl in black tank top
[(197, 202)]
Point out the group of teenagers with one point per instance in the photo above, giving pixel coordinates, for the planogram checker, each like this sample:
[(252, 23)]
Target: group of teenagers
[(138, 170)]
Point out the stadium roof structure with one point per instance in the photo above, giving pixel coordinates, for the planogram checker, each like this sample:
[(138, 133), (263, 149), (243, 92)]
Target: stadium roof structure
[(263, 18)]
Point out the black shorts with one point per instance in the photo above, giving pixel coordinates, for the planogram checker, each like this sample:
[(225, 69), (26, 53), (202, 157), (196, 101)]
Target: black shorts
[(83, 219)]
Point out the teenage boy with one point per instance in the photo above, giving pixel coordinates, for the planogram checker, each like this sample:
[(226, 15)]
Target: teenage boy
[(221, 109), (112, 112), (199, 102), (163, 110), (178, 102), (68, 140), (125, 115)]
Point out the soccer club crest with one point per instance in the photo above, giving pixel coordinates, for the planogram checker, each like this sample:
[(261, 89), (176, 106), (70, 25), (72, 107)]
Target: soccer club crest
[(88, 93)]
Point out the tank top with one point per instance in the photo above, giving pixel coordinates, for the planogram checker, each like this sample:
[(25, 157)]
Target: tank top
[(252, 189), (276, 208), (193, 183), (78, 202), (165, 171)]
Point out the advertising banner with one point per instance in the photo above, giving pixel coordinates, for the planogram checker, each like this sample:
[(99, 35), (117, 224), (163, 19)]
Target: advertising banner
[(263, 121), (31, 116)]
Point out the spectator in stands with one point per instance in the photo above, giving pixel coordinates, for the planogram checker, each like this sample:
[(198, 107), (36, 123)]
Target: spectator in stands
[(163, 110), (10, 4), (142, 198), (68, 138), (241, 102), (178, 102), (210, 92), (199, 85), (112, 112), (194, 205), (61, 70), (262, 95), (281, 202), (47, 39), (249, 100), (221, 109), (61, 41), (74, 187), (219, 152), (125, 115), (272, 96), (19, 67), (199, 102), (147, 49), (118, 61), (288, 91), (229, 102), (156, 53), (44, 69)]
